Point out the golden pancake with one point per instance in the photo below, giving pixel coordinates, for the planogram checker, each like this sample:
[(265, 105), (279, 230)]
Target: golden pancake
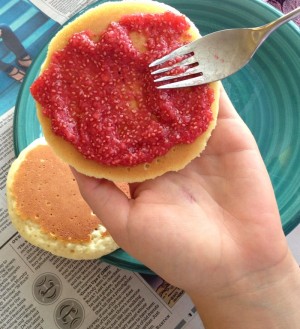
[(47, 209), (177, 157)]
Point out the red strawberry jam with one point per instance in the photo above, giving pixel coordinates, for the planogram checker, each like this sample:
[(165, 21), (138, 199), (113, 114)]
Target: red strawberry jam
[(100, 96)]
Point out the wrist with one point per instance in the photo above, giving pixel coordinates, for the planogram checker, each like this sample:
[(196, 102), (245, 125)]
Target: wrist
[(266, 299)]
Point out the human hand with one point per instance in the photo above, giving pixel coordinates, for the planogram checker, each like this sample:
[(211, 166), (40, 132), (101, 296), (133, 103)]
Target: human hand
[(209, 228)]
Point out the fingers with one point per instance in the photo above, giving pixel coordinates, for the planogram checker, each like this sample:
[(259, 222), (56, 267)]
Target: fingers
[(229, 117), (226, 108), (108, 202)]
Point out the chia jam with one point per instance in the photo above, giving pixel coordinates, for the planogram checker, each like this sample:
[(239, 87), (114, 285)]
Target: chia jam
[(99, 93)]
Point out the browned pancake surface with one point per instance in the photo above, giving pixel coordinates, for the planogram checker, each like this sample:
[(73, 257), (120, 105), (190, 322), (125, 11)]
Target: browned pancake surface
[(46, 207)]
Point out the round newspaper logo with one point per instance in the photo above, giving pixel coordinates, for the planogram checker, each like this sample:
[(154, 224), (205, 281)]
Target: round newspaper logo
[(69, 313), (47, 288)]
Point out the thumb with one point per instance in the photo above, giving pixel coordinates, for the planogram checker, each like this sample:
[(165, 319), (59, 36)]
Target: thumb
[(108, 202)]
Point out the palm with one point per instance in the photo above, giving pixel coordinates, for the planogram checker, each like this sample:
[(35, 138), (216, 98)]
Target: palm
[(220, 207), (223, 201)]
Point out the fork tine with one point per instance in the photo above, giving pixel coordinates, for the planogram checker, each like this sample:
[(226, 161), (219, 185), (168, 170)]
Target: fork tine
[(184, 83), (187, 61), (192, 70), (186, 49)]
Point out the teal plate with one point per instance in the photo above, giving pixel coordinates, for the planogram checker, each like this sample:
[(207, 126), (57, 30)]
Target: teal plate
[(265, 93)]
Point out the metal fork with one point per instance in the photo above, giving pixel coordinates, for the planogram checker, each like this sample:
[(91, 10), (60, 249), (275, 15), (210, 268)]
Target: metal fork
[(217, 55)]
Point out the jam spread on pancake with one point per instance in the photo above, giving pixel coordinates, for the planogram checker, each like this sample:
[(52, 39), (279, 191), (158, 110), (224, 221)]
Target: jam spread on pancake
[(100, 96)]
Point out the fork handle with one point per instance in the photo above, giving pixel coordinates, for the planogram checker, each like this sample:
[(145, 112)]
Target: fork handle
[(260, 34), (270, 27)]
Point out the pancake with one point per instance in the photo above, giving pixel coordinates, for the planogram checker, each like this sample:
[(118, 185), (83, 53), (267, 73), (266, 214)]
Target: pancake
[(46, 207), (97, 20)]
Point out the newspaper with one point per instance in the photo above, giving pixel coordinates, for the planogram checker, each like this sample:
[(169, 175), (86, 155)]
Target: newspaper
[(40, 290), (60, 11)]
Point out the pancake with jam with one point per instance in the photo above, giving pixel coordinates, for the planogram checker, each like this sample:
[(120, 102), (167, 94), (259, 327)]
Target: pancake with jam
[(46, 207), (98, 105)]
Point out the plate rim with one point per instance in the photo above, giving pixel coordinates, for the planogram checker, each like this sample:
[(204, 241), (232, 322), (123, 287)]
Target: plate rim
[(111, 258)]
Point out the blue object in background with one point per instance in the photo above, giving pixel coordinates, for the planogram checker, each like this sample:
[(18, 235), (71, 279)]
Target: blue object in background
[(33, 28)]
